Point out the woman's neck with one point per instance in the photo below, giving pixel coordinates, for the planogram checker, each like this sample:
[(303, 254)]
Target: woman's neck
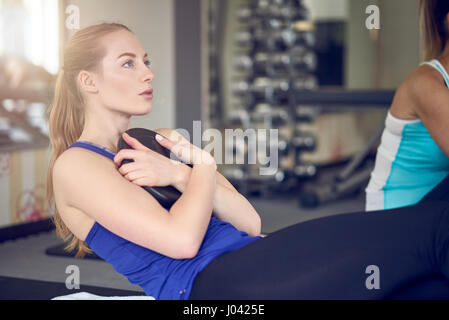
[(444, 57)]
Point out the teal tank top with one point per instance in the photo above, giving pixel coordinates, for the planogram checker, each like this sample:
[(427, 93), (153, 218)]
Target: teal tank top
[(409, 163), (160, 276)]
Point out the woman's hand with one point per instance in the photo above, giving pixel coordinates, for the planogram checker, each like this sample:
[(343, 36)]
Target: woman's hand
[(149, 168), (186, 151)]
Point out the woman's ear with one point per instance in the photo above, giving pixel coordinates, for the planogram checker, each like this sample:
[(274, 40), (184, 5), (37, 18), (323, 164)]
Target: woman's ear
[(86, 81)]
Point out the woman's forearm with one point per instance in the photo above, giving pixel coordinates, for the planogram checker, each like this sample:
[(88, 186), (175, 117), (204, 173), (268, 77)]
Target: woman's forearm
[(232, 207), (228, 204), (193, 209)]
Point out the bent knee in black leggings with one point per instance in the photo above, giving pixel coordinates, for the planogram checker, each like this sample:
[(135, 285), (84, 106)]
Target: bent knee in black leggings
[(326, 258)]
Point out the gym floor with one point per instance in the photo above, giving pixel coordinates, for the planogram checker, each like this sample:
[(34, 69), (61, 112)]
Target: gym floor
[(26, 258), (285, 211)]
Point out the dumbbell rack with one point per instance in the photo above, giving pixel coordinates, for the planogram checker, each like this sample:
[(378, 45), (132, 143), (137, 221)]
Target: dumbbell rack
[(279, 60)]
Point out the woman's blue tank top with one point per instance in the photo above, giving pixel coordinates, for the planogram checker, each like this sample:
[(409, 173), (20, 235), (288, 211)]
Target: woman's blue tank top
[(160, 276)]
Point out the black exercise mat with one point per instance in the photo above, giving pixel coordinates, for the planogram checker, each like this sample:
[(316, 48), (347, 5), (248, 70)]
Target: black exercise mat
[(20, 230), (59, 251), (25, 289)]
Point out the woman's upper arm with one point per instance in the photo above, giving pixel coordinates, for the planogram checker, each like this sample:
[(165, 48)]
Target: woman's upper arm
[(96, 188), (431, 99)]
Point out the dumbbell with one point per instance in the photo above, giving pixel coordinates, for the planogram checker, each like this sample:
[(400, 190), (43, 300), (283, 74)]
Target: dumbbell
[(168, 195), (243, 38), (277, 177), (263, 90), (274, 115), (263, 86), (304, 142), (256, 65), (305, 170), (233, 173), (277, 40), (284, 9), (248, 178), (282, 146), (272, 91), (244, 14), (240, 149), (305, 81), (302, 58), (300, 37), (238, 117), (298, 59), (306, 113)]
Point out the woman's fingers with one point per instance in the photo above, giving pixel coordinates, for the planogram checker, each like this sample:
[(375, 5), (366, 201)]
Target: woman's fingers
[(177, 148), (124, 154), (186, 151), (133, 142), (128, 153), (129, 167)]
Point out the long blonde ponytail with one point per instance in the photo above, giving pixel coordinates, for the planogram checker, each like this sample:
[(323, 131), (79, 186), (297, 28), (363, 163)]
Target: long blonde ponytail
[(83, 51)]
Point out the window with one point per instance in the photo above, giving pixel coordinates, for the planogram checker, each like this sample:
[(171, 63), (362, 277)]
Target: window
[(29, 28), (29, 62)]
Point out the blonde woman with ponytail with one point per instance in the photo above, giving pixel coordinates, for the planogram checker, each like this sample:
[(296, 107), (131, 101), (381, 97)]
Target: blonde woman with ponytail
[(104, 80), (208, 244), (412, 161)]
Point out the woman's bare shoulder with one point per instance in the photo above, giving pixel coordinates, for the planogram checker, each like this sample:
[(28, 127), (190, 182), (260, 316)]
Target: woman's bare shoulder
[(423, 74), (75, 160), (74, 156), (413, 89), (426, 71), (423, 81), (75, 219), (65, 168)]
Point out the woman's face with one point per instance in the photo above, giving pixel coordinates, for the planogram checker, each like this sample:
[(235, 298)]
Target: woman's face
[(126, 75)]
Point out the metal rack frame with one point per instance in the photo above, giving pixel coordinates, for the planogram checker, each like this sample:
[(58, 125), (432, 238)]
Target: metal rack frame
[(353, 176)]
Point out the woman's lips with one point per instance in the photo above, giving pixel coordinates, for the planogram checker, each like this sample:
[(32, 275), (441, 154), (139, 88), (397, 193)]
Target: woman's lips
[(147, 94)]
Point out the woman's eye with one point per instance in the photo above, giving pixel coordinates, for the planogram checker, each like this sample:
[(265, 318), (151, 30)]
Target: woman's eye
[(147, 63), (127, 62)]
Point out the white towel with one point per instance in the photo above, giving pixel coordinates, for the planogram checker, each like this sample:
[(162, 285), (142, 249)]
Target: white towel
[(90, 296)]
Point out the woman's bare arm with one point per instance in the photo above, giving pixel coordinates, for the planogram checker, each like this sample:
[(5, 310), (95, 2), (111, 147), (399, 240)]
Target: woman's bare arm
[(431, 98), (92, 184), (193, 209), (228, 204)]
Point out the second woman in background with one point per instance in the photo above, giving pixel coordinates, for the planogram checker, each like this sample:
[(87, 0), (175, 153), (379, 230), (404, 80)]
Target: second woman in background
[(412, 158)]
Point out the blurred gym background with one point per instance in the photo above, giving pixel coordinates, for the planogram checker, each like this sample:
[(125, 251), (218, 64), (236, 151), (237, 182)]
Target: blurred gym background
[(309, 68)]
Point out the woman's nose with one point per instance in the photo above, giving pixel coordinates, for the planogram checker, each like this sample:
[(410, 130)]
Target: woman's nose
[(148, 76)]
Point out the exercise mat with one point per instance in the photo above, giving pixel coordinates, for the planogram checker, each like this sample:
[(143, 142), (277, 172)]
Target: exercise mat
[(58, 250)]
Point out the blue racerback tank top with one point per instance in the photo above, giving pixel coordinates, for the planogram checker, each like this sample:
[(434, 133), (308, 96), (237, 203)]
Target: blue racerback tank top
[(160, 276), (408, 164)]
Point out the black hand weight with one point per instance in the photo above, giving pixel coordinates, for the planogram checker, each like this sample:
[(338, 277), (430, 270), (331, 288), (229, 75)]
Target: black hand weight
[(166, 196)]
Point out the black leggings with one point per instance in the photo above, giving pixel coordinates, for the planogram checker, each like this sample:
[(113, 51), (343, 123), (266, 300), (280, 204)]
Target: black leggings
[(340, 256)]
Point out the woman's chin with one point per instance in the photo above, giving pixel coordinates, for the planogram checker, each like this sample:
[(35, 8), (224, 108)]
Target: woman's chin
[(146, 108)]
